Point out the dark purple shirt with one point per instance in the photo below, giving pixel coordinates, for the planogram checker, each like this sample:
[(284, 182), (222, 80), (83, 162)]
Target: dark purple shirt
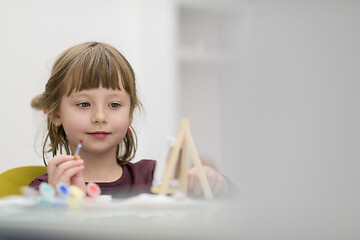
[(136, 178)]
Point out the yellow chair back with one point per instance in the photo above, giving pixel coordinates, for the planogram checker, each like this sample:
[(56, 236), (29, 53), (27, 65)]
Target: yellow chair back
[(13, 179)]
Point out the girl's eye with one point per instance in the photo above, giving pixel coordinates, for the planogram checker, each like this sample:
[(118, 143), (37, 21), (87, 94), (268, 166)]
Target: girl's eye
[(114, 105), (83, 104)]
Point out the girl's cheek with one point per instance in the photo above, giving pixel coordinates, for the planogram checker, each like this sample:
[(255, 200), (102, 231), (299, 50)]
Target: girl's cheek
[(74, 126)]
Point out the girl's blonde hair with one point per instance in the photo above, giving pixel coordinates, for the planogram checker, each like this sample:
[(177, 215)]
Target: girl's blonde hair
[(86, 66)]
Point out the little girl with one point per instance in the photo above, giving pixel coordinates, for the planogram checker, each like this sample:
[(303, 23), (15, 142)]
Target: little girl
[(91, 97)]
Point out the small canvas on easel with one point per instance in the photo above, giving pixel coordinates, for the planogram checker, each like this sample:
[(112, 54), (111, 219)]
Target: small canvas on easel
[(183, 145)]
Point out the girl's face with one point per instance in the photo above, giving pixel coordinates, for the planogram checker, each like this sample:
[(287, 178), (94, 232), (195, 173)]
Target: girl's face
[(100, 117)]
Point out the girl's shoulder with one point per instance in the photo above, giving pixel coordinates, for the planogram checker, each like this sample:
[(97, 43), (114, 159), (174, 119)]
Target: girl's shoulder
[(141, 167), (36, 182), (142, 170), (144, 163)]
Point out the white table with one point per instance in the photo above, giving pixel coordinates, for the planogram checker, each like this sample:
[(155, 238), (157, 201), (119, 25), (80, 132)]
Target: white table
[(142, 217)]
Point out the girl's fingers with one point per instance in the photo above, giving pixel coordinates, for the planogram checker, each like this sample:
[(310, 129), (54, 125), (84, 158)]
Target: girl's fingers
[(56, 161), (64, 170), (191, 180), (190, 184), (194, 186), (59, 159), (69, 173), (217, 182)]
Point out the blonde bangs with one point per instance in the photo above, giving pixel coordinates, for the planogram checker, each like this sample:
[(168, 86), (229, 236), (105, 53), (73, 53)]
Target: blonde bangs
[(93, 68)]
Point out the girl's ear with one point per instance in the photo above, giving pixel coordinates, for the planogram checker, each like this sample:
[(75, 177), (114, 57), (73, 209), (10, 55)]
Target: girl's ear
[(55, 118)]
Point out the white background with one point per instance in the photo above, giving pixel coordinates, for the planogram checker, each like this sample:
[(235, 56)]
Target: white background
[(289, 104)]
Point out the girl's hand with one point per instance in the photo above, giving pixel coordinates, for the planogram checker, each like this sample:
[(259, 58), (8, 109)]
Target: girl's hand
[(64, 168), (217, 182)]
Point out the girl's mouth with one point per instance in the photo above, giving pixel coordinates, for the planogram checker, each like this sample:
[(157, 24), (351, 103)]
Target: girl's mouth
[(99, 135)]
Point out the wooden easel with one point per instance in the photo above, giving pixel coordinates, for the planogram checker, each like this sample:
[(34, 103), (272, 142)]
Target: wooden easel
[(183, 145)]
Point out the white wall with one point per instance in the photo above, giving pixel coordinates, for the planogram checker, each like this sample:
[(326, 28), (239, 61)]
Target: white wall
[(291, 120), (33, 33)]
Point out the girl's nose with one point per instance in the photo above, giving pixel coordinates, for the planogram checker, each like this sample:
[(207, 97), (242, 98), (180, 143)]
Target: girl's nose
[(99, 116)]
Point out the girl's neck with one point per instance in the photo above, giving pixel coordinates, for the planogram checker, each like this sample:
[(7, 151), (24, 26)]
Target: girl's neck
[(101, 167)]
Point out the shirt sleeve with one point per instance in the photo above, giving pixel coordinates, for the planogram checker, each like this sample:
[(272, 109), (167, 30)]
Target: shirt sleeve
[(38, 180)]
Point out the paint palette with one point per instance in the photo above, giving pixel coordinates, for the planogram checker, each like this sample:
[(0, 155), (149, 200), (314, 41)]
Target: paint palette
[(65, 196)]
